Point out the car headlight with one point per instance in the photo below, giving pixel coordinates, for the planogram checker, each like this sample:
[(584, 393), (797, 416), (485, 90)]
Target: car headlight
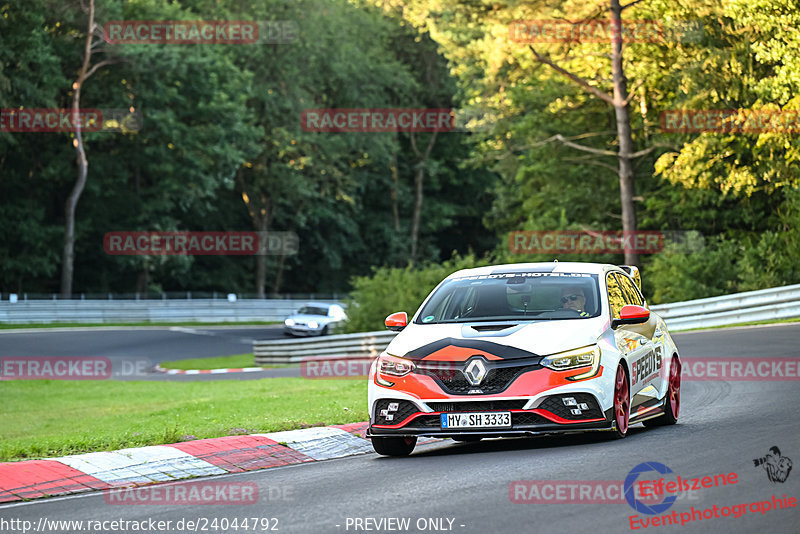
[(394, 366), (289, 322), (573, 359), (313, 325)]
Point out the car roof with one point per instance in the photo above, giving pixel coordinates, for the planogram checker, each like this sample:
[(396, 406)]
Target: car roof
[(548, 267), (319, 304)]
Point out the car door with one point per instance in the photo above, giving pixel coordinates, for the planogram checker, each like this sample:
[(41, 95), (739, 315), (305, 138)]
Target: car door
[(646, 371), (631, 341)]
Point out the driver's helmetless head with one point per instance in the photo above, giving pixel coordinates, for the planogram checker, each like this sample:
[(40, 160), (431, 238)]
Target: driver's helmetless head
[(573, 298)]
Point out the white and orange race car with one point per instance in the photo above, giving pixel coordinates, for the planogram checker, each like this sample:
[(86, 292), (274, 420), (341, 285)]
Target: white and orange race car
[(524, 349)]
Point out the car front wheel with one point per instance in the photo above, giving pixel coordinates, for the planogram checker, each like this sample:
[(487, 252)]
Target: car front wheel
[(394, 446), (622, 403)]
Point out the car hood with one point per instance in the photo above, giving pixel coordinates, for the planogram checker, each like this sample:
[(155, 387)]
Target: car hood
[(449, 341)]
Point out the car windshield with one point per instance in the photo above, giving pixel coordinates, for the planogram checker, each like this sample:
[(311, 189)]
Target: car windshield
[(312, 310), (513, 296)]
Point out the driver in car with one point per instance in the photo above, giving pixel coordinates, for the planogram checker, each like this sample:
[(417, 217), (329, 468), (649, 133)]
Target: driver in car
[(573, 298)]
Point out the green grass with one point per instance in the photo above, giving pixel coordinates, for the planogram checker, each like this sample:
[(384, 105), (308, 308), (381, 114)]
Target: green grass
[(46, 418), (237, 361), (94, 325)]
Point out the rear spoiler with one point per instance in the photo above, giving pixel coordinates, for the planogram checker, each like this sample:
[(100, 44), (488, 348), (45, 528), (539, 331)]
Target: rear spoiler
[(633, 271)]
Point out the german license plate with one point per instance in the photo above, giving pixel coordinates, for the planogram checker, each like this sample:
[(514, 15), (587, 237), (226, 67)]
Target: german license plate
[(476, 420)]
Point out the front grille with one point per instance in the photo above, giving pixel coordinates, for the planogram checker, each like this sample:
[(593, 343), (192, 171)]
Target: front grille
[(477, 406), (555, 404), (427, 421), (450, 376), (522, 418), (404, 409)]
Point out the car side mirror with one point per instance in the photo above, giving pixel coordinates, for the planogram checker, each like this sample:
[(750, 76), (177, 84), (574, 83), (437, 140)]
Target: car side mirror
[(631, 314), (396, 321)]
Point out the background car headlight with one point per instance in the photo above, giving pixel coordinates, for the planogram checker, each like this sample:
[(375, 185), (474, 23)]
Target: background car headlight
[(574, 359), (289, 322), (394, 366), (313, 324)]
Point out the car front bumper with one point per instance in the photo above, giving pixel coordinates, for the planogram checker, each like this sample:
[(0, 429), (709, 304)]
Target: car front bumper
[(524, 423), (540, 402), (299, 330)]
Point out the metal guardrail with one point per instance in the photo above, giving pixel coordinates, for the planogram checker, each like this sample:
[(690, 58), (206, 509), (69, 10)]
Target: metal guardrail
[(173, 295), (361, 346), (167, 311), (761, 305), (765, 304)]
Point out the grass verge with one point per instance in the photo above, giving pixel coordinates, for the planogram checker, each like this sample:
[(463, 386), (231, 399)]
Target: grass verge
[(237, 361), (753, 323), (46, 418)]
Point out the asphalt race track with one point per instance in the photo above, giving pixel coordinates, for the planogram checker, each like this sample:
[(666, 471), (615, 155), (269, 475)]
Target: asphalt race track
[(134, 352), (723, 427)]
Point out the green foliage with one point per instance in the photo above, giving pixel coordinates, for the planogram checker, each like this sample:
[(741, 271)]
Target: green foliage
[(221, 146), (673, 276), (745, 261), (393, 289), (773, 260)]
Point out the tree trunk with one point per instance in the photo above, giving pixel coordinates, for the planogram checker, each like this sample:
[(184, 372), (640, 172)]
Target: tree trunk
[(627, 189), (68, 258), (419, 179), (419, 182), (395, 188), (261, 260), (143, 280), (68, 262), (276, 286), (71, 205)]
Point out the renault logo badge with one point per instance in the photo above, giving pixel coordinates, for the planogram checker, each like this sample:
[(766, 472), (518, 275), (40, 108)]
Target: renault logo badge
[(475, 371)]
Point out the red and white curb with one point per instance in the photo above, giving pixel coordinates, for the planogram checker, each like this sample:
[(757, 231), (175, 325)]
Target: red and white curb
[(160, 369), (79, 473)]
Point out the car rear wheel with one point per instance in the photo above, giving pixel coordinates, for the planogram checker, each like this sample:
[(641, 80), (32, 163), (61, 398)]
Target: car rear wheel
[(394, 446), (672, 405), (622, 403)]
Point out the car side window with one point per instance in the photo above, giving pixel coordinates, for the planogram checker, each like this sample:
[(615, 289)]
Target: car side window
[(615, 298), (629, 290)]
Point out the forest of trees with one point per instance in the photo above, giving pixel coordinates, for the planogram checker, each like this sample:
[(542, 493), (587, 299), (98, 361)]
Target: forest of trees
[(560, 136)]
